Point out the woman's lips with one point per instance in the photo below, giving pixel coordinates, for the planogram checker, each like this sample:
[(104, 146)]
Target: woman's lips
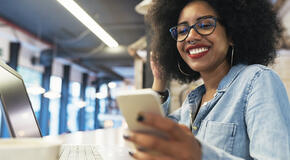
[(197, 51)]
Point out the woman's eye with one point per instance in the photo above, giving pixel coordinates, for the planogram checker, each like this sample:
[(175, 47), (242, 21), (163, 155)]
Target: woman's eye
[(205, 25), (182, 31)]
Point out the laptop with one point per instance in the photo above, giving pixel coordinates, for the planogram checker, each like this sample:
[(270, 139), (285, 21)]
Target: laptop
[(19, 114), (15, 104)]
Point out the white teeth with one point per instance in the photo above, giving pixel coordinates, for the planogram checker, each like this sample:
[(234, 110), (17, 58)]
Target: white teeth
[(198, 50)]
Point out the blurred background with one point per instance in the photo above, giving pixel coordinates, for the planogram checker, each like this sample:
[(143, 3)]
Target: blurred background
[(75, 56)]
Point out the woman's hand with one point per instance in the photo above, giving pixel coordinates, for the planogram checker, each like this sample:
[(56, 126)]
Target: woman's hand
[(180, 144), (157, 71), (160, 77)]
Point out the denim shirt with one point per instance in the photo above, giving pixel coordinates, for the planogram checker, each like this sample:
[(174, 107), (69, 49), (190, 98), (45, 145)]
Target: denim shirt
[(248, 118)]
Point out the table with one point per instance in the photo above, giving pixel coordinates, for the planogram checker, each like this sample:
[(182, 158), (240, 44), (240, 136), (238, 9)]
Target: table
[(111, 142)]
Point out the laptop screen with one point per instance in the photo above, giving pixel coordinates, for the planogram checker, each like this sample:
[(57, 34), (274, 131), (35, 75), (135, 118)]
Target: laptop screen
[(16, 105)]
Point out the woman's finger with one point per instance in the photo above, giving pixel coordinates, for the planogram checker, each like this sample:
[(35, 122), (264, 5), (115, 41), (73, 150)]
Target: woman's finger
[(164, 124), (148, 141), (149, 156), (175, 149)]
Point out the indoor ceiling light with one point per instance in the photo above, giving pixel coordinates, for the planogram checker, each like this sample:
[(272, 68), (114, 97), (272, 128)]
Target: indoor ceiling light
[(88, 21)]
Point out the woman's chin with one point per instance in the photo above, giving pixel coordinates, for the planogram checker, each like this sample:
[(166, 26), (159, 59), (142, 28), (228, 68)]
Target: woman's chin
[(198, 67)]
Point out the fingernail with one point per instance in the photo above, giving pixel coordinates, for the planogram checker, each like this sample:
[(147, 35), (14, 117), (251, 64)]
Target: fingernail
[(140, 118), (126, 137), (131, 153), (142, 149)]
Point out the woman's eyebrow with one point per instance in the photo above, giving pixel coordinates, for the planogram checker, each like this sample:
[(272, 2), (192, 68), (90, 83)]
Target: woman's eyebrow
[(203, 17), (184, 22)]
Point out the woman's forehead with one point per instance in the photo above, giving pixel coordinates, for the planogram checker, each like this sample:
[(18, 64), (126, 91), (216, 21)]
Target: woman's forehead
[(194, 10)]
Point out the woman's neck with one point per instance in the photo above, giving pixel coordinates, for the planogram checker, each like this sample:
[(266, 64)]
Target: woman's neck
[(213, 77)]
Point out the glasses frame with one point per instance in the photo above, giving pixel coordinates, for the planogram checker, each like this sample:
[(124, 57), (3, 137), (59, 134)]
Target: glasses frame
[(172, 29)]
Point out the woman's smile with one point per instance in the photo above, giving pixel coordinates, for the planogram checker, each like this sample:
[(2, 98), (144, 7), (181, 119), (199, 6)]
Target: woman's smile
[(197, 51)]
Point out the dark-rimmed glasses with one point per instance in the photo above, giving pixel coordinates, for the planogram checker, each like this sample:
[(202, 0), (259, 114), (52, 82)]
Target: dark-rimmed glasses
[(204, 27)]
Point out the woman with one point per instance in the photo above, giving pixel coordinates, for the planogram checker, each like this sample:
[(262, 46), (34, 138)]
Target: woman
[(242, 110)]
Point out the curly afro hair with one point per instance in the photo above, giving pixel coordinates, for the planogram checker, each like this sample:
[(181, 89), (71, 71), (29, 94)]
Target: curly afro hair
[(252, 25)]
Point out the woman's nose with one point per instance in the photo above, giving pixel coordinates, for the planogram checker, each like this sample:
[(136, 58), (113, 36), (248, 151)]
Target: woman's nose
[(193, 35)]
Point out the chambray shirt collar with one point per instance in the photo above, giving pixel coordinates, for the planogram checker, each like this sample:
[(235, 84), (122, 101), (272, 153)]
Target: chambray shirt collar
[(195, 95), (230, 77)]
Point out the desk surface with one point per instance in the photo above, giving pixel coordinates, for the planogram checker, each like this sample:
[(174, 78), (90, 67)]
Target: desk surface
[(111, 142)]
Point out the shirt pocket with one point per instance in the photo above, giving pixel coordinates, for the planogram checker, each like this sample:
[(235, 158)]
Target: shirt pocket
[(221, 135)]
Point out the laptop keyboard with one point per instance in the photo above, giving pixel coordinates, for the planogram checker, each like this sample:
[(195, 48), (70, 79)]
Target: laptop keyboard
[(79, 152)]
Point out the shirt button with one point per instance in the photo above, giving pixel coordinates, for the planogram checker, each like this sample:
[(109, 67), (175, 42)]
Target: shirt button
[(194, 128)]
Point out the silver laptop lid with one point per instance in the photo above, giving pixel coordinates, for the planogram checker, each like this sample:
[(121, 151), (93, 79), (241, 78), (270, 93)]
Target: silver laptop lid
[(16, 105)]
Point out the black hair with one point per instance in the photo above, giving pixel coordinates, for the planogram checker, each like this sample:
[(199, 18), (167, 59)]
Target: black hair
[(252, 26)]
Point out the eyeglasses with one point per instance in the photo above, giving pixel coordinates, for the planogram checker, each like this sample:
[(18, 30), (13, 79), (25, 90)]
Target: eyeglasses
[(204, 27)]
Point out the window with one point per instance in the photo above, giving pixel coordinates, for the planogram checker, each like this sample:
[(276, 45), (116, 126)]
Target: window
[(0, 118), (103, 99), (32, 80), (73, 106), (90, 107), (110, 116), (54, 104)]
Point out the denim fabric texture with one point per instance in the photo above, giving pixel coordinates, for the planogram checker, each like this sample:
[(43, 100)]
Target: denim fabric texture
[(248, 118)]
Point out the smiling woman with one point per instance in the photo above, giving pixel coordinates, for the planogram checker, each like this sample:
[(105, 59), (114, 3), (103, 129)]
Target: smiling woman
[(239, 23), (227, 117)]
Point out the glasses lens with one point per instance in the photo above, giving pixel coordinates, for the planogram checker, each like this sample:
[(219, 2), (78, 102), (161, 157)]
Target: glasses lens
[(203, 27), (173, 32), (182, 31), (206, 26)]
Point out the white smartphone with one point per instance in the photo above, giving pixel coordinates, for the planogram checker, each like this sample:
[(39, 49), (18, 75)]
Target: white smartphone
[(132, 102)]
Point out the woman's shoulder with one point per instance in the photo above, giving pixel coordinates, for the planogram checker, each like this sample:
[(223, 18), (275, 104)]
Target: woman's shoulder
[(260, 76), (244, 75), (256, 70), (248, 76)]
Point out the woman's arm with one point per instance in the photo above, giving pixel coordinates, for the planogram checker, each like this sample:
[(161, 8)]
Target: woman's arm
[(267, 117)]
